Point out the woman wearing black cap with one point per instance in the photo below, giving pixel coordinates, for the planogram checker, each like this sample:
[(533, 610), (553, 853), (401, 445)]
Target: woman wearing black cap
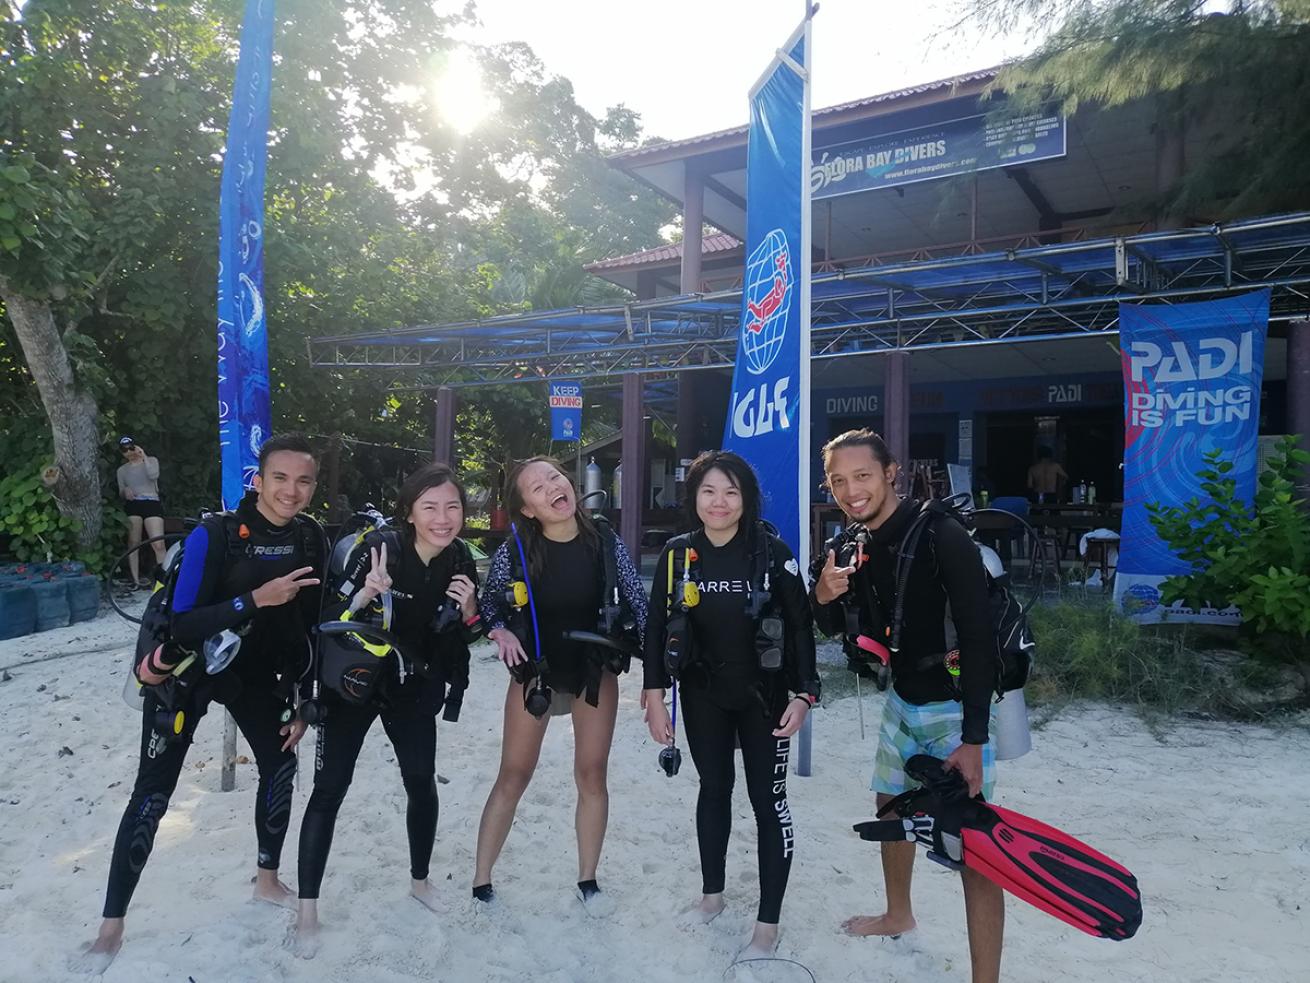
[(138, 484)]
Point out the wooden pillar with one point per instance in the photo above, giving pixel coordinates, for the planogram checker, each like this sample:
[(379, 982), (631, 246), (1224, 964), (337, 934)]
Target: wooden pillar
[(693, 218), (688, 442), (1298, 386), (896, 415), (1170, 158), (443, 427), (633, 488)]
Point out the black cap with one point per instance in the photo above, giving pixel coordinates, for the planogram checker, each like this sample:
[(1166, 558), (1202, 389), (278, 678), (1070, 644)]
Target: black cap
[(125, 441)]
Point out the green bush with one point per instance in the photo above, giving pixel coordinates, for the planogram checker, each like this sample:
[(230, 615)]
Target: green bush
[(30, 517), (1256, 556)]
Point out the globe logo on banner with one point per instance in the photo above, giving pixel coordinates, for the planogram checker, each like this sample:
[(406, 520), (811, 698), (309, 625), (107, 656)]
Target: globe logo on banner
[(769, 281)]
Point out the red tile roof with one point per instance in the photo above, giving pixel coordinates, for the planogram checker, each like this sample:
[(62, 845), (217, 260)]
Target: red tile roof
[(717, 242)]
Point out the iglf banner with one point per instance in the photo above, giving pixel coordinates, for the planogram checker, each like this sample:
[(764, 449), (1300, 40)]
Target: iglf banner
[(1192, 375), (768, 418)]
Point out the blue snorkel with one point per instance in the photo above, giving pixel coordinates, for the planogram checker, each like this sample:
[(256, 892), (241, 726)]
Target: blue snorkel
[(536, 700)]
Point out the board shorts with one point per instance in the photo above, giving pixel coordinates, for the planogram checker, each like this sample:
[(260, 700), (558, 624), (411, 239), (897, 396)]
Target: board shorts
[(930, 728), (145, 508)]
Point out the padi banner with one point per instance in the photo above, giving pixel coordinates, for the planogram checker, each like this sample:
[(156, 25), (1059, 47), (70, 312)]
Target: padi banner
[(243, 410), (768, 415), (958, 146), (565, 411), (1192, 375)]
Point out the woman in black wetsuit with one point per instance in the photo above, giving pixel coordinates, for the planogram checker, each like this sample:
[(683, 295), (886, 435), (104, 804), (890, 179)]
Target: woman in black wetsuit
[(564, 550), (434, 570), (727, 694)]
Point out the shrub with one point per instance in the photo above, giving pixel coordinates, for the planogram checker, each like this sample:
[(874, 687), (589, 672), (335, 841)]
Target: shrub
[(1256, 556)]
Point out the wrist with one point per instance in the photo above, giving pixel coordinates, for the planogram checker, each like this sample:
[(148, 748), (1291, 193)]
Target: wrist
[(809, 699)]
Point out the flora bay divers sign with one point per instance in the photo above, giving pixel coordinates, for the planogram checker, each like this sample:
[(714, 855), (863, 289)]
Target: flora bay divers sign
[(957, 146)]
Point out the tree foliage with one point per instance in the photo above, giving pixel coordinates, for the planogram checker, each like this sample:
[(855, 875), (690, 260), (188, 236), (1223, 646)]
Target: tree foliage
[(379, 213), (1241, 78)]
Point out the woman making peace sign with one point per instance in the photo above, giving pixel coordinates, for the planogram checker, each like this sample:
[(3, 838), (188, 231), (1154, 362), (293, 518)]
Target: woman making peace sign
[(431, 589)]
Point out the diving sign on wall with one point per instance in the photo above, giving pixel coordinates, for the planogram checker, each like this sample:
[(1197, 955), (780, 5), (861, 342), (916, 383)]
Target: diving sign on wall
[(958, 146)]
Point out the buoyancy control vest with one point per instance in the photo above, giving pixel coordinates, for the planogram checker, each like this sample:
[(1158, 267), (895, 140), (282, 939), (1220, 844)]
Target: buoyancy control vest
[(188, 665), (683, 594)]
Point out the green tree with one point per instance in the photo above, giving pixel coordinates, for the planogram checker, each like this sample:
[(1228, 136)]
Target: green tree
[(112, 118), (1241, 78)]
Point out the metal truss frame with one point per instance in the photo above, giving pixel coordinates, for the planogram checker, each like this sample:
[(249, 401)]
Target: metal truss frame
[(1045, 292)]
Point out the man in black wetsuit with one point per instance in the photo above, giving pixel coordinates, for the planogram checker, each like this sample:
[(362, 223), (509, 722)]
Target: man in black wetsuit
[(926, 711), (254, 572)]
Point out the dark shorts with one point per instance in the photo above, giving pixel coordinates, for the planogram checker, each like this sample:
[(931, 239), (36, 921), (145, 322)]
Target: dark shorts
[(145, 508)]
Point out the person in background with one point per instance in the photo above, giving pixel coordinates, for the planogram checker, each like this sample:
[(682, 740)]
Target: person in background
[(138, 484), (1046, 479)]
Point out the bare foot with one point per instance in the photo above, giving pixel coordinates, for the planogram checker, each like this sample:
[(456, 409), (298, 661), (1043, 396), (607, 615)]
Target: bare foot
[(269, 888), (304, 939), (863, 925), (94, 958), (704, 911), (424, 893), (763, 944)]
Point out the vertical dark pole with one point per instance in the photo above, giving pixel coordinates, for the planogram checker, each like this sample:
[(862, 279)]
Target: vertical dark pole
[(443, 427), (896, 415), (1298, 387), (693, 218), (632, 489), (332, 465)]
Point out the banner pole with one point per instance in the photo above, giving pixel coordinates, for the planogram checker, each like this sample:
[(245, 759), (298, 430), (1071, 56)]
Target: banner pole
[(805, 740)]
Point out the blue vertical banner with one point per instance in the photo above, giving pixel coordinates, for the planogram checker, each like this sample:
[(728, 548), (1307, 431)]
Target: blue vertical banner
[(243, 401), (565, 411), (1192, 375), (768, 417)]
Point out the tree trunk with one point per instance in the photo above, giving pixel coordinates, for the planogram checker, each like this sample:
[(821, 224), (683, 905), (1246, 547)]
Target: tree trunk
[(71, 409)]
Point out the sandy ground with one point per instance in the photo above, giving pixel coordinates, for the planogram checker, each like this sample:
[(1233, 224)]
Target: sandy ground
[(1212, 819)]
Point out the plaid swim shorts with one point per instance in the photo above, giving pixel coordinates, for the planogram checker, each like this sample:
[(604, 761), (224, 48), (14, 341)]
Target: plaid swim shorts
[(909, 729)]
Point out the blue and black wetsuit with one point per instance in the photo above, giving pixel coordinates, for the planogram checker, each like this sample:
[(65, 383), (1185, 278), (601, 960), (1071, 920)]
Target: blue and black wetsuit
[(436, 674), (226, 558)]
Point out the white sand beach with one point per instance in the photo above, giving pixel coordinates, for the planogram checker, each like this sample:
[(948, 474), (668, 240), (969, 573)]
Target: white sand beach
[(1212, 818)]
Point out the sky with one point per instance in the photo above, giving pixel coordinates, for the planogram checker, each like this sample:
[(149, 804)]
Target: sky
[(686, 65)]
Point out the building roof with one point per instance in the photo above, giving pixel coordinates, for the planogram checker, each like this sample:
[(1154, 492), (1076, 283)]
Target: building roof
[(855, 108), (717, 242)]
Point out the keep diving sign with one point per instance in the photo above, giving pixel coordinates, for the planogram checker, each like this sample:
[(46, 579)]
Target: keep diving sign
[(565, 411)]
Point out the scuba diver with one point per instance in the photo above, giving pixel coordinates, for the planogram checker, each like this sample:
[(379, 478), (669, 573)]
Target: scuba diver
[(939, 699), (417, 581), (566, 608), (730, 621), (249, 575)]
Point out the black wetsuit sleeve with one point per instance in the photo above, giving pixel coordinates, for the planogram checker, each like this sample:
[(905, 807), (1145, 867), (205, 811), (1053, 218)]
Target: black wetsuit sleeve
[(965, 581), (630, 586), (492, 604), (788, 590), (653, 673), (198, 612), (830, 618)]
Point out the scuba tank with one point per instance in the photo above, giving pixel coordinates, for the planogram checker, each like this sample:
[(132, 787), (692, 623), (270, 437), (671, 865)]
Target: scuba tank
[(592, 479)]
